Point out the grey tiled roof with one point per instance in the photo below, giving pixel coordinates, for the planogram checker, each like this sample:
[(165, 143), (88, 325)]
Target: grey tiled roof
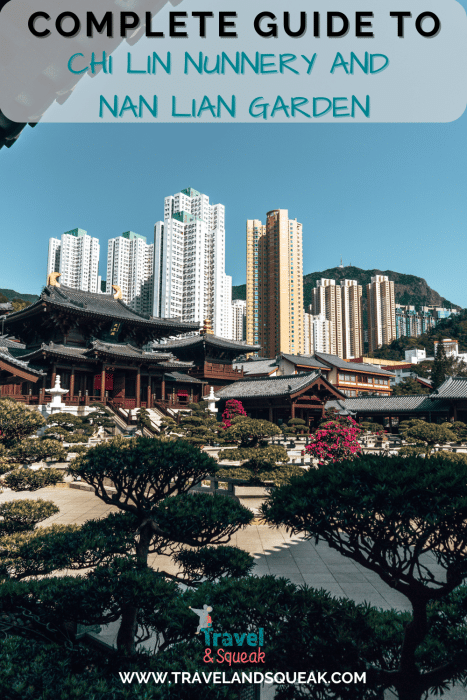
[(416, 403), (127, 350), (210, 339), (99, 305), (181, 377), (306, 361), (355, 366), (257, 367), (453, 388), (7, 357), (8, 343), (57, 349), (119, 350), (272, 386)]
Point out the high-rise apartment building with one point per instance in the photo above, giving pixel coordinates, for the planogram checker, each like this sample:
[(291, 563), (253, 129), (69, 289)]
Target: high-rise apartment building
[(317, 334), (130, 265), (274, 287), (76, 257), (352, 325), (189, 262), (327, 301), (239, 319), (341, 305), (381, 312)]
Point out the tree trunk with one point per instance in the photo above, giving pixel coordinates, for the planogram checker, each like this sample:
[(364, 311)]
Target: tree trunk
[(129, 622), (410, 693), (409, 685)]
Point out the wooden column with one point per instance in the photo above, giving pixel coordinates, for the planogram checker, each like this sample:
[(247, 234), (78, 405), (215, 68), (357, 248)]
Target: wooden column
[(103, 384), (292, 410), (54, 374), (138, 388), (271, 414), (42, 393), (71, 393), (149, 393), (163, 388)]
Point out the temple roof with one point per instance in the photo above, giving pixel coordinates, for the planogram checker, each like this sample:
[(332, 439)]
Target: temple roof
[(127, 350), (306, 361), (258, 367), (181, 377), (18, 368), (9, 343), (97, 305), (89, 354), (208, 339), (335, 361), (273, 386), (452, 388), (416, 403)]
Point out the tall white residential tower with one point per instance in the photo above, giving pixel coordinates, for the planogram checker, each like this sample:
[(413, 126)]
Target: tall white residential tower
[(130, 263), (189, 262), (76, 257)]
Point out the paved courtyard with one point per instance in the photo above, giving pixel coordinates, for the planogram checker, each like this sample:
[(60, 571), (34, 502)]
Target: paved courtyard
[(275, 552)]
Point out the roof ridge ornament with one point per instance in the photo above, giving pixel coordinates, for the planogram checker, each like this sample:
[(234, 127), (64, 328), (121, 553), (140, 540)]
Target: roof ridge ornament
[(52, 279), (118, 291), (207, 328)]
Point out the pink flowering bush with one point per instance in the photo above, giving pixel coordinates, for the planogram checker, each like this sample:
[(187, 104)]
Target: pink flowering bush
[(233, 408), (335, 441)]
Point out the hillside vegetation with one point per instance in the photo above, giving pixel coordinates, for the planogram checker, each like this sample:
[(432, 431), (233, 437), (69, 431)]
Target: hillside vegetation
[(454, 328)]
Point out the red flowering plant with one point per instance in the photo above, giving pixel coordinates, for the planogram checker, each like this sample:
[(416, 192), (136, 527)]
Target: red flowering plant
[(335, 441), (233, 408)]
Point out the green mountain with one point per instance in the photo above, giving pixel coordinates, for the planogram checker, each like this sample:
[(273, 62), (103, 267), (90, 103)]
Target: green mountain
[(11, 294), (408, 289), (239, 292)]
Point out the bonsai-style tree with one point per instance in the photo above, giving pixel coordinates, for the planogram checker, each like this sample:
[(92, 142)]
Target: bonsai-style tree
[(296, 426), (370, 427), (34, 450), (64, 421), (248, 432), (334, 441), (17, 422), (143, 420), (395, 516), (422, 437), (199, 428), (460, 430), (100, 417), (150, 482)]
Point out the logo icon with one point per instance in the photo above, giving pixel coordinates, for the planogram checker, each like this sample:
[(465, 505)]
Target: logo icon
[(205, 620)]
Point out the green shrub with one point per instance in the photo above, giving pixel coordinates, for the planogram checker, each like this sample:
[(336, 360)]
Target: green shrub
[(79, 449), (23, 515), (74, 438), (278, 475), (273, 453), (25, 479)]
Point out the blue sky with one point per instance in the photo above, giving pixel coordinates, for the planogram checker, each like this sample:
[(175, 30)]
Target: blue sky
[(382, 196)]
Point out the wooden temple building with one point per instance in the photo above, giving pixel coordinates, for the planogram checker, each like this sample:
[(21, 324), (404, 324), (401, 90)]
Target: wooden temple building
[(279, 398), (96, 343)]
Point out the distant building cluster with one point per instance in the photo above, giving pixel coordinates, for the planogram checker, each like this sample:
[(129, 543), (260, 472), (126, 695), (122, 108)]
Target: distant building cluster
[(181, 275)]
